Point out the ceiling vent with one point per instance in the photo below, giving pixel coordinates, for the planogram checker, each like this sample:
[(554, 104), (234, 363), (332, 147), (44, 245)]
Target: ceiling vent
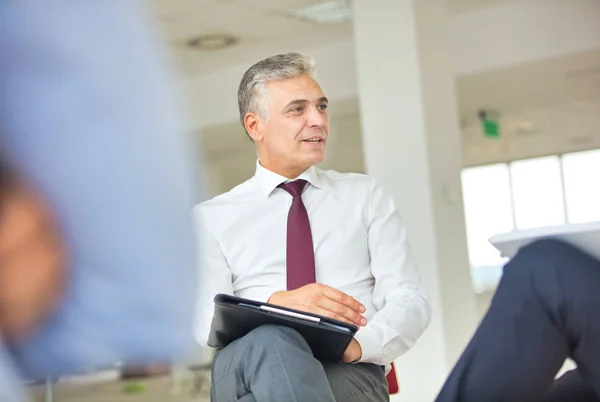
[(324, 13), (212, 42)]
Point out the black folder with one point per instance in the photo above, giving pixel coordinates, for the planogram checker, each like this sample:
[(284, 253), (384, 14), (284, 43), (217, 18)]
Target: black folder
[(235, 317)]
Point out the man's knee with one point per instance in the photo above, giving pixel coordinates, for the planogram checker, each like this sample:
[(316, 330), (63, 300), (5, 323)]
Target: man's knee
[(276, 337), (550, 255), (257, 346), (553, 267), (544, 248), (547, 245)]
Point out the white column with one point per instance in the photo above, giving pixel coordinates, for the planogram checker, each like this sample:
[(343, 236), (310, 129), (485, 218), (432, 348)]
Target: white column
[(412, 145)]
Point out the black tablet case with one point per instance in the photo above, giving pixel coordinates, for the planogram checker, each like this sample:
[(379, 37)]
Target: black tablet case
[(232, 321)]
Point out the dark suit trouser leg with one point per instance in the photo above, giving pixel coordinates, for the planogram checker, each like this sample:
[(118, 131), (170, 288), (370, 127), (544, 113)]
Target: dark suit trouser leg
[(570, 387), (546, 308)]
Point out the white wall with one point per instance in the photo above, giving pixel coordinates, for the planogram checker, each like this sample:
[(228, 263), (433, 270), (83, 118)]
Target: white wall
[(523, 32), (567, 127), (510, 34)]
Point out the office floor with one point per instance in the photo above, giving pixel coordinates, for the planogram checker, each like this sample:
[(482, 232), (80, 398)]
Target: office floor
[(184, 388)]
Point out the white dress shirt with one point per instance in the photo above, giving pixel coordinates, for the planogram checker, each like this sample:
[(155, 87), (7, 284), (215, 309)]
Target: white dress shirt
[(360, 248)]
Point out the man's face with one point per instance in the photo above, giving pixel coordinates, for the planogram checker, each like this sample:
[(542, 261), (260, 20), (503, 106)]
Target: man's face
[(294, 132)]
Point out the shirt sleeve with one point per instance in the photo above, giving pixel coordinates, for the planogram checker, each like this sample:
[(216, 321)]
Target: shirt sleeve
[(403, 311), (214, 273)]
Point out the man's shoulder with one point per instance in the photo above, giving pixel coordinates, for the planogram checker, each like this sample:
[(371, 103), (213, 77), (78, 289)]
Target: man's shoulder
[(348, 178)]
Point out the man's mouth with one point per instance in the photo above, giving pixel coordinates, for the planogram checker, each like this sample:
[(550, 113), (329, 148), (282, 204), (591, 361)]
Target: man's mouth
[(314, 140)]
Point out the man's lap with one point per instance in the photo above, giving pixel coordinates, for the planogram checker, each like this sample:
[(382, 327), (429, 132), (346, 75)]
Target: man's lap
[(348, 382)]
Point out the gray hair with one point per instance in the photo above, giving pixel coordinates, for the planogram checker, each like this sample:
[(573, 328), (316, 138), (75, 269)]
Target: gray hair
[(252, 91)]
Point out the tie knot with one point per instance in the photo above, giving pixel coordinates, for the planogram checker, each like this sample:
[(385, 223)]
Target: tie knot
[(294, 187)]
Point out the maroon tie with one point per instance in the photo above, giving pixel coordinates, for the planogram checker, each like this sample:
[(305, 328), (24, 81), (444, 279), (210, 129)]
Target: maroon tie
[(300, 257)]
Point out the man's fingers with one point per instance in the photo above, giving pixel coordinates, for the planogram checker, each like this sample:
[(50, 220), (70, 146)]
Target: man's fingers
[(329, 314), (329, 302), (343, 298), (342, 310)]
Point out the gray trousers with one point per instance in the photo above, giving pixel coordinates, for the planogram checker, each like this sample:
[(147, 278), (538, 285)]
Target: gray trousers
[(275, 364)]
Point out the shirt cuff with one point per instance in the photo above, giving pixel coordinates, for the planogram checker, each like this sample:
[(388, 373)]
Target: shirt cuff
[(370, 345)]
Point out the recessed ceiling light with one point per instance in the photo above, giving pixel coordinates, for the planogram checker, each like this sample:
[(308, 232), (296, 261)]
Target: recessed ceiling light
[(212, 42), (328, 12)]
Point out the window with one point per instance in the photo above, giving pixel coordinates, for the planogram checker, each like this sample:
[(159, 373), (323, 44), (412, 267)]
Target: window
[(537, 192), (525, 194), (486, 193), (582, 189)]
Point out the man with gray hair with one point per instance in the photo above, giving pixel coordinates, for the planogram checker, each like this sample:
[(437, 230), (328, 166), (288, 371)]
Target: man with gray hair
[(319, 241)]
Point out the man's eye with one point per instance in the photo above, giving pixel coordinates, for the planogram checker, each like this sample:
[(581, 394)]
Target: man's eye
[(297, 109), (322, 107)]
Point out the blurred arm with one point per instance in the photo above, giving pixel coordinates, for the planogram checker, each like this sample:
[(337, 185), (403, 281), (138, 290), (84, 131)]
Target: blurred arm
[(87, 115)]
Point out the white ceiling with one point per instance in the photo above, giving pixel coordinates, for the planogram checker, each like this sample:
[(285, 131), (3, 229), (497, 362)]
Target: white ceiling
[(570, 78), (464, 6), (260, 25)]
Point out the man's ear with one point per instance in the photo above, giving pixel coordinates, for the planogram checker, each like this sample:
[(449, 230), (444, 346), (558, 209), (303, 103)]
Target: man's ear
[(253, 124)]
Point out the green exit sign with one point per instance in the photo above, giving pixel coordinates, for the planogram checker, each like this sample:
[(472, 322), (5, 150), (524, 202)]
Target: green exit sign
[(491, 129)]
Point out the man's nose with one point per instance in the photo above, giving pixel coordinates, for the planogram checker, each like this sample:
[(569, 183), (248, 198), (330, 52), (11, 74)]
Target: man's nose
[(316, 118)]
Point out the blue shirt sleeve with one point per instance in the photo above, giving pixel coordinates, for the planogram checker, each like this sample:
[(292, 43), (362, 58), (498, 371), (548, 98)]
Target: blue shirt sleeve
[(87, 114)]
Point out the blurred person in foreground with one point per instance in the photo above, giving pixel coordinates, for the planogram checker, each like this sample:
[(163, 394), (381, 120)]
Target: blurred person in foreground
[(97, 258), (319, 241)]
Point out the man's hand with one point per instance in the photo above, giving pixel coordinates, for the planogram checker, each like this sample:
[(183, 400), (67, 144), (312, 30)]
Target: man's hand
[(353, 352), (32, 262), (321, 299)]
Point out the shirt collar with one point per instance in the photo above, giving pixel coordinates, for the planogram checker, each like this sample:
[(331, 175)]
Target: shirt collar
[(268, 181)]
